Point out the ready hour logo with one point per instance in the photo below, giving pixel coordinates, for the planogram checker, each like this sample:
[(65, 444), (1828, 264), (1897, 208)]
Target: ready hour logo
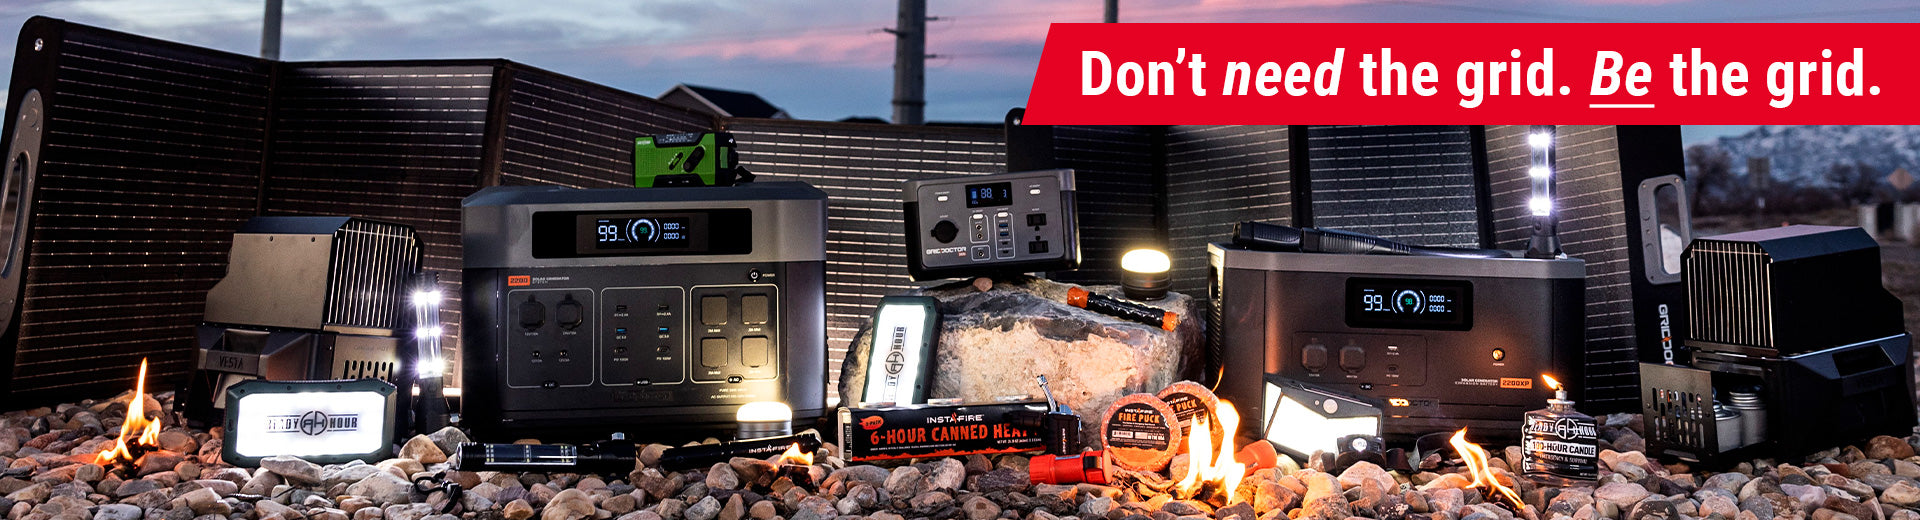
[(313, 423)]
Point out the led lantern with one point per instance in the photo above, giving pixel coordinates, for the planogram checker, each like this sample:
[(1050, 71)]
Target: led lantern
[(324, 422), (904, 330), (1303, 420), (761, 419), (1545, 240), (430, 403), (1146, 274)]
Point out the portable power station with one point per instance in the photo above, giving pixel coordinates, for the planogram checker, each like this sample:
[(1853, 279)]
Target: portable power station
[(591, 310)]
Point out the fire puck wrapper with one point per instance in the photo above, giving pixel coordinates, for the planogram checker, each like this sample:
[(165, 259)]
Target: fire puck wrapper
[(1190, 400), (1140, 433)]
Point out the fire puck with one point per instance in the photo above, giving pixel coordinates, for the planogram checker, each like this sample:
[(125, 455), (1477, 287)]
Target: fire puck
[(1140, 433), (1190, 400)]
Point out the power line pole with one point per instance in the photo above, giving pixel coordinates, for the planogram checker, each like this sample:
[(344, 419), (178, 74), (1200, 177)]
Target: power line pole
[(1113, 11), (910, 63), (270, 32)]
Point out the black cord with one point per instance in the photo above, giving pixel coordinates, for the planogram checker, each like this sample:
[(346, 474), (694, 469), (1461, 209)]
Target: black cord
[(455, 494)]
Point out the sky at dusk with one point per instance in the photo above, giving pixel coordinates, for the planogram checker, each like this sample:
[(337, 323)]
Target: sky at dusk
[(818, 59)]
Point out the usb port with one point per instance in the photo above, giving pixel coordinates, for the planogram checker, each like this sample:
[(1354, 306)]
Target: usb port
[(619, 308), (620, 330), (663, 330)]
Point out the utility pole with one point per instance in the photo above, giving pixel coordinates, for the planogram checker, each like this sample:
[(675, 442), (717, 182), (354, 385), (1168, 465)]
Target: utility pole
[(910, 63), (1113, 11), (270, 32)]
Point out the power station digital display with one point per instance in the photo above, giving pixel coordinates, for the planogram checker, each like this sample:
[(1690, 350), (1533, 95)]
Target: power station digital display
[(1409, 304), (643, 232), (582, 234), (992, 194)]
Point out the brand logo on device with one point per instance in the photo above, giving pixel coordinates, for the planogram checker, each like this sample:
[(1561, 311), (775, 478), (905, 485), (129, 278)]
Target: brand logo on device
[(957, 418), (1521, 383), (519, 281), (962, 251), (1666, 335), (1564, 428), (313, 423)]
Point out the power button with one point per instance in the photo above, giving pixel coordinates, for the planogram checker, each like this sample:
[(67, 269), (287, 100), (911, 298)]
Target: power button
[(1499, 354)]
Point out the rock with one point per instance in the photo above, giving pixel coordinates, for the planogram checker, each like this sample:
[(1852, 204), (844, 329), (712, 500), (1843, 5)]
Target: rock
[(294, 470), (903, 482), (620, 504), (382, 487), (408, 511), (1002, 480), (347, 473), (1759, 506), (757, 472), (1270, 496), (519, 511), (1621, 494), (1730, 481), (135, 487), (1901, 494), (571, 504), (650, 455), (201, 500), (930, 499), (1023, 324), (423, 449), (1447, 481), (706, 509), (157, 461), (670, 508), (89, 472), (641, 515), (979, 508), (735, 509), (1446, 500), (1324, 499), (118, 512), (1884, 447), (1857, 509), (1239, 509), (1364, 471), (810, 508), (1098, 507), (1809, 497), (219, 487), (448, 439), (762, 510), (722, 476), (1719, 505), (948, 474), (1652, 509), (404, 467)]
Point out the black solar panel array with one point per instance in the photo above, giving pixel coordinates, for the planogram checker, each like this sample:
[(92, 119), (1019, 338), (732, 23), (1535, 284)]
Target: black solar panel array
[(1407, 183), (152, 159), (1217, 176), (1593, 228), (1117, 172), (862, 167)]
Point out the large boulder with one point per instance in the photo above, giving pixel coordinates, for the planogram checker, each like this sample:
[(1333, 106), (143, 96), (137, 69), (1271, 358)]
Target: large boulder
[(992, 343)]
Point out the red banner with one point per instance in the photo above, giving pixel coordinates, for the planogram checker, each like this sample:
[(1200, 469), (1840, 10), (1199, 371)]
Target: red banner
[(1099, 74)]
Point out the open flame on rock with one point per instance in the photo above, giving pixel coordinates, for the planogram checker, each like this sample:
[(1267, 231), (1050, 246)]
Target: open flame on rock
[(1210, 467), (138, 434), (793, 455), (1476, 460)]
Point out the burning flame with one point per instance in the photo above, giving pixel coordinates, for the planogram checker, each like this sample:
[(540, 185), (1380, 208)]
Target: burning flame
[(1551, 383), (1207, 464), (145, 433), (1476, 459), (793, 455)]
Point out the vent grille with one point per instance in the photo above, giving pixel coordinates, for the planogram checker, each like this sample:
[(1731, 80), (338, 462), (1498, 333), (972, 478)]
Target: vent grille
[(1729, 297), (863, 169), (152, 161), (372, 263)]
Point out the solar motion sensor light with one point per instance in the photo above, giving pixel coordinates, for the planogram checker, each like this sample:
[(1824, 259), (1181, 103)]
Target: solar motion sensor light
[(1302, 420), (1545, 242)]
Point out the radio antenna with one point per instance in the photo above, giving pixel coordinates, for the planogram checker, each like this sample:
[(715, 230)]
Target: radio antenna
[(1545, 242)]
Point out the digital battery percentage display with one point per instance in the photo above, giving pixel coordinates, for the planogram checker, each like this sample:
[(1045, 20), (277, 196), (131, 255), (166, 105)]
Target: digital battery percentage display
[(643, 232), (1409, 304)]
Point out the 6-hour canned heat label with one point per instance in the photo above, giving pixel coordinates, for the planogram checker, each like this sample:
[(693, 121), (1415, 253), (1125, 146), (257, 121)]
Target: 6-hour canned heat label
[(1141, 432)]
